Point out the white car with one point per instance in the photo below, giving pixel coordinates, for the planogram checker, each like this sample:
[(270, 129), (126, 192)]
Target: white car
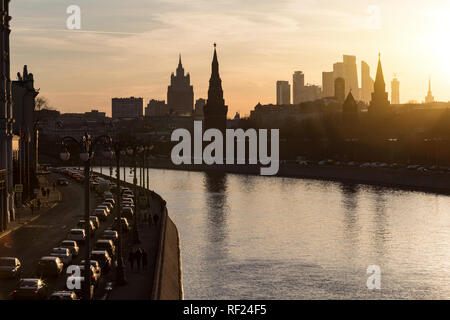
[(63, 254), (77, 234)]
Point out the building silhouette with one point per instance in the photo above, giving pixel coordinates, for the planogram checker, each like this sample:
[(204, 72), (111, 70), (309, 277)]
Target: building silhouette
[(298, 83), (215, 110), (366, 83), (351, 76), (127, 107), (7, 212), (395, 91), (283, 92), (429, 98), (180, 93), (327, 84), (379, 102), (198, 111), (156, 108), (339, 89)]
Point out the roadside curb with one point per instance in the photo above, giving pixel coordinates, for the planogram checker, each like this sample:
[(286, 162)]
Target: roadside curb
[(4, 234)]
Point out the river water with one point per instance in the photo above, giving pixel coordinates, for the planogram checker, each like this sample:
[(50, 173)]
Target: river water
[(253, 237)]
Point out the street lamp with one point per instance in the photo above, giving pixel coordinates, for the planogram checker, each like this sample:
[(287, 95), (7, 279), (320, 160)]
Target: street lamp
[(86, 146)]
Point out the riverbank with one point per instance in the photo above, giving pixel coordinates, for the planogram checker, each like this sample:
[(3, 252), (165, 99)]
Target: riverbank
[(393, 178)]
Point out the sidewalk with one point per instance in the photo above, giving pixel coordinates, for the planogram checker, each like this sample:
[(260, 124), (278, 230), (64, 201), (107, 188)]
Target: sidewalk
[(24, 215), (140, 282)]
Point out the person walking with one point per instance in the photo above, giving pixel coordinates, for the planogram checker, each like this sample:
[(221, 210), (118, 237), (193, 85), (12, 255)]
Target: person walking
[(144, 259), (131, 257), (156, 218), (138, 256)]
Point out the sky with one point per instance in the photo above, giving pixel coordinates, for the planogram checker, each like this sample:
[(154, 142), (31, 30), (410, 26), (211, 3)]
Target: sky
[(130, 48)]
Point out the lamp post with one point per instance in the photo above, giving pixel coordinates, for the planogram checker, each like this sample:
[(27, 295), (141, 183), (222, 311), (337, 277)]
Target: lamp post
[(86, 146)]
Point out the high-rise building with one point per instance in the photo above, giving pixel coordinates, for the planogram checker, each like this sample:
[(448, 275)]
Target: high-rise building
[(395, 91), (180, 93), (127, 107), (338, 70), (283, 92), (198, 111), (351, 76), (215, 111), (366, 83), (379, 102), (429, 98), (327, 84), (298, 82), (339, 89), (156, 108)]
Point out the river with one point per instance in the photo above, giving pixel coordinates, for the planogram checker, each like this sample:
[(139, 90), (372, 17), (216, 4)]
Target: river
[(254, 237)]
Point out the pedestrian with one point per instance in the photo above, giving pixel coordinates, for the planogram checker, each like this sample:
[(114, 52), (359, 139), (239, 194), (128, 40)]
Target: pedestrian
[(138, 256), (144, 259), (131, 257), (43, 192), (32, 209), (156, 218), (48, 192), (39, 204)]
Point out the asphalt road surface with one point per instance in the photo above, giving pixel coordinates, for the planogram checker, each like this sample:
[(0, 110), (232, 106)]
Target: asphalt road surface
[(37, 239)]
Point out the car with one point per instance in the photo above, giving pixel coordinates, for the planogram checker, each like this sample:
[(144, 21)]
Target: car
[(81, 225), (127, 199), (72, 246), (78, 289), (63, 182), (95, 265), (110, 205), (100, 213), (110, 200), (30, 289), (49, 266), (105, 244), (103, 258), (10, 267), (77, 235), (95, 277), (105, 207), (63, 253), (125, 225), (111, 235), (95, 221), (107, 194), (128, 213), (64, 295)]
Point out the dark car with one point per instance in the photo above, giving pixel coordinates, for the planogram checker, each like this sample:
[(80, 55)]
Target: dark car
[(111, 235), (95, 265), (105, 244), (63, 182), (79, 288), (81, 225), (49, 267), (10, 267), (64, 295), (125, 225), (127, 212), (103, 258), (100, 213), (95, 277), (30, 289)]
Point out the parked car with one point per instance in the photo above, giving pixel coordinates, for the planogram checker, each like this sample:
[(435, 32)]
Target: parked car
[(72, 246), (95, 265), (10, 267), (81, 225), (100, 213), (49, 266), (30, 289), (62, 253), (105, 244), (103, 258), (125, 225), (78, 235), (95, 221), (111, 235), (64, 295)]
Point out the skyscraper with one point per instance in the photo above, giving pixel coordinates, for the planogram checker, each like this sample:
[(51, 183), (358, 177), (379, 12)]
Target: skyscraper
[(429, 98), (379, 102), (366, 83), (351, 76), (215, 110), (327, 84), (180, 93), (395, 91), (283, 92), (298, 83), (339, 89)]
